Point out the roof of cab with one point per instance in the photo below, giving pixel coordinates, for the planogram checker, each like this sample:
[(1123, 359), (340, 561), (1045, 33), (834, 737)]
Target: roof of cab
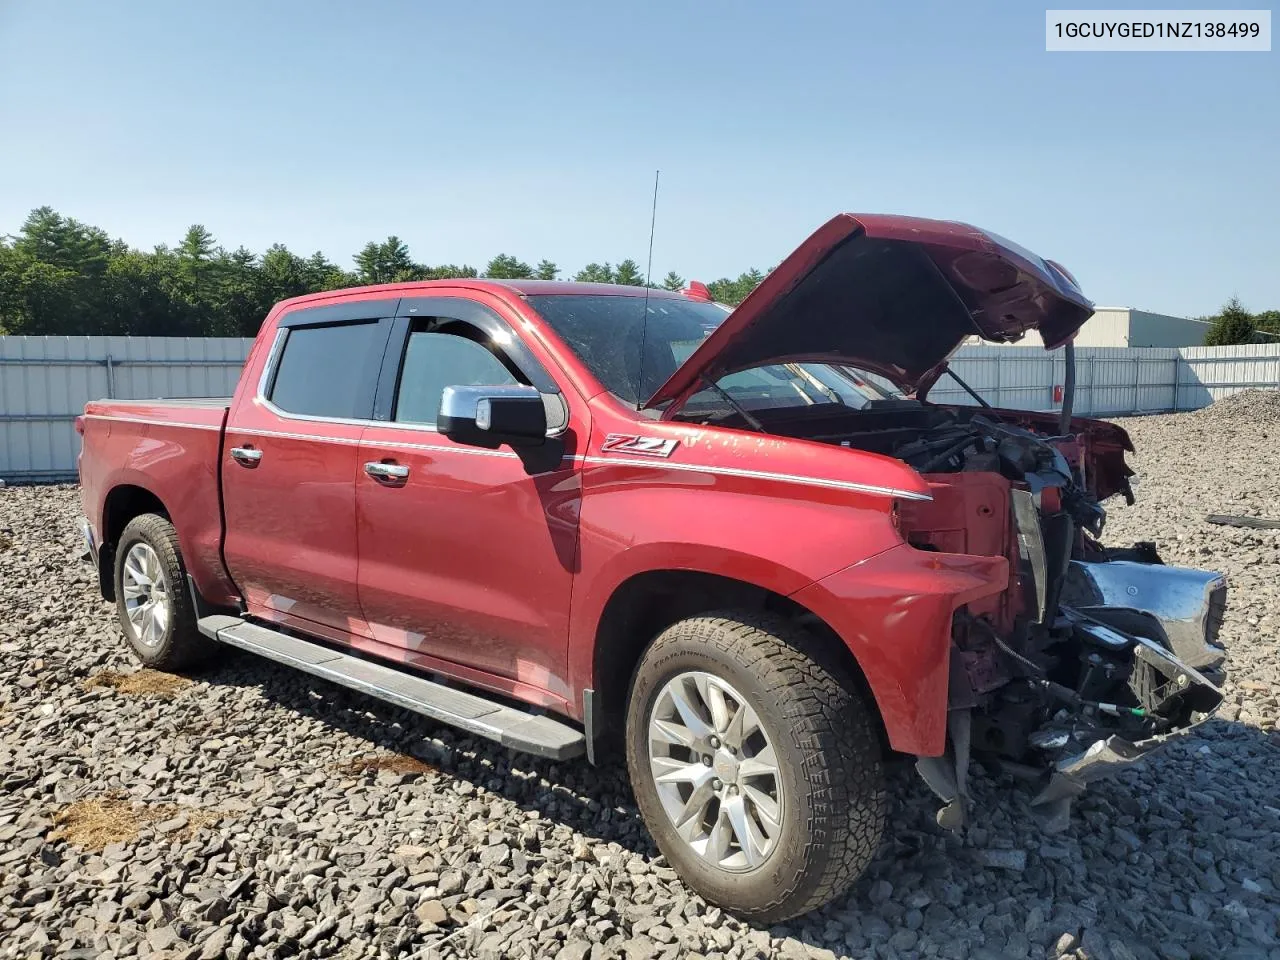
[(522, 288)]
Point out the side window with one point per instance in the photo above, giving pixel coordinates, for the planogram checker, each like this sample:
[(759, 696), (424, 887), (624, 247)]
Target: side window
[(436, 358), (329, 371)]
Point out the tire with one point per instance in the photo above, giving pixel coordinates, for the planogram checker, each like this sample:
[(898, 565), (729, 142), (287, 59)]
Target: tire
[(171, 642), (815, 822)]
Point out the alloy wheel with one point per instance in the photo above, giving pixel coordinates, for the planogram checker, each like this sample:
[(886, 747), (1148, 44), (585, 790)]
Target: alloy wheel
[(716, 771), (146, 595)]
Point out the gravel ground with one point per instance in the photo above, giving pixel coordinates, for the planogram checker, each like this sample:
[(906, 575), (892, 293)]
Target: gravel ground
[(253, 812)]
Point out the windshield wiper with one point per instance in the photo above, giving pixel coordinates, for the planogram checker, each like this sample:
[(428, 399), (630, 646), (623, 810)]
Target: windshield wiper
[(822, 388), (738, 408)]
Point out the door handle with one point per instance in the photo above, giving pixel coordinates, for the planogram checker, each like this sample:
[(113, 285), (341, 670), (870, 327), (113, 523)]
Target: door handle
[(246, 456), (386, 471)]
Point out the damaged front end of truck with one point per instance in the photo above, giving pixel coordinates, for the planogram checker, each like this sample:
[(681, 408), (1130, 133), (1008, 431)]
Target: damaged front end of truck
[(1092, 656), (1095, 656)]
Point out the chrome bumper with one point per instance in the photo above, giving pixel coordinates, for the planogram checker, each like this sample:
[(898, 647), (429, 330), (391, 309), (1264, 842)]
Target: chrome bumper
[(1185, 608), (1187, 604)]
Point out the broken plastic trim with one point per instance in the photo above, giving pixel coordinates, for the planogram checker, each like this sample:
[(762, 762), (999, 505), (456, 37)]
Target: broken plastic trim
[(1031, 545), (1072, 775)]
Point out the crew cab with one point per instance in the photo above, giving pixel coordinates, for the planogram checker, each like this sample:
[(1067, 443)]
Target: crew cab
[(741, 546)]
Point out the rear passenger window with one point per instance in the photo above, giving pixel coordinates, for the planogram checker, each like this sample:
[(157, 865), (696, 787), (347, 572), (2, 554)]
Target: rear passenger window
[(329, 371), (434, 360)]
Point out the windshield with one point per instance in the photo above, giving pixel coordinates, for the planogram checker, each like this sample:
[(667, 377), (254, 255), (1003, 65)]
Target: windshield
[(781, 385), (605, 332)]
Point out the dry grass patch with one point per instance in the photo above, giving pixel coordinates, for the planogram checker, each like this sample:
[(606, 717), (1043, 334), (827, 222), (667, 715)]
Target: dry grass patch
[(394, 762), (96, 822), (143, 683)]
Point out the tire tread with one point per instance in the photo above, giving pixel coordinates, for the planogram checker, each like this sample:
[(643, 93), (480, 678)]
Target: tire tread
[(832, 729), (186, 646)]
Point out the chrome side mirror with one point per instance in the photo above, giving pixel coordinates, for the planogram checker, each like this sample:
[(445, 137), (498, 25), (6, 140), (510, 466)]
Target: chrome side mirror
[(488, 416)]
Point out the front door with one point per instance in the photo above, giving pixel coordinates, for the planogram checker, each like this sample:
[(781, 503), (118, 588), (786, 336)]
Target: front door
[(290, 461), (466, 554)]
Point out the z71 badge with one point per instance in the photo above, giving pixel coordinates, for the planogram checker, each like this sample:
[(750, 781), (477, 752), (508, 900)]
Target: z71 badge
[(642, 446)]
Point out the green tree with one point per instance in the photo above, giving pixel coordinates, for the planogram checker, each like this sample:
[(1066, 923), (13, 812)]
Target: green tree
[(385, 262), (733, 292), (448, 271), (144, 297), (595, 273), (506, 267), (628, 273), (58, 266), (1233, 324), (1268, 321), (198, 244), (40, 298), (61, 276), (60, 241)]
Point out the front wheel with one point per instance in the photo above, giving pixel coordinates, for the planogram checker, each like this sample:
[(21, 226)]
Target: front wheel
[(755, 764)]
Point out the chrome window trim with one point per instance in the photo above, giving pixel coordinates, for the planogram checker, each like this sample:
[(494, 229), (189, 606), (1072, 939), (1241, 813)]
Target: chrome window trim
[(389, 444), (273, 359)]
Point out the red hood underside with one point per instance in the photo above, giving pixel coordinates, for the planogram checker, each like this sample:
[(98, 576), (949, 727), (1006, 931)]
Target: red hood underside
[(894, 295)]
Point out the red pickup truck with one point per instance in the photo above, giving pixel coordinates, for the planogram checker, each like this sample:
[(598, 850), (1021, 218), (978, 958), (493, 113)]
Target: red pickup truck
[(743, 546)]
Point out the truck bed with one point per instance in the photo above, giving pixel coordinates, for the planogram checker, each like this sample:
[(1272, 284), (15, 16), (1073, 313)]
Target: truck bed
[(168, 450)]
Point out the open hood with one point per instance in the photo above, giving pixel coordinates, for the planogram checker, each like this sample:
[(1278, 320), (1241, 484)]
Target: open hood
[(892, 295)]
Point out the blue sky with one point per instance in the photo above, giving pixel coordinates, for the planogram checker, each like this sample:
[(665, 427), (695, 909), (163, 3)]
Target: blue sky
[(534, 129)]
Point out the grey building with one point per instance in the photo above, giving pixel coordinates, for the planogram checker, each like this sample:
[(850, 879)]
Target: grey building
[(1129, 327)]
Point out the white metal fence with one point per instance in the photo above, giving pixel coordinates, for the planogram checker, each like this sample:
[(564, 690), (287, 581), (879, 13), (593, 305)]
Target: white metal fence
[(46, 381), (1111, 381)]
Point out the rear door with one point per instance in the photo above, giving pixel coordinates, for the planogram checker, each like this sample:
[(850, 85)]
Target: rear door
[(467, 554), (290, 463)]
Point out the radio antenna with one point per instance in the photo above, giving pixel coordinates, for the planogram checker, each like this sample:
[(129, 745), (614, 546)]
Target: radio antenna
[(648, 270)]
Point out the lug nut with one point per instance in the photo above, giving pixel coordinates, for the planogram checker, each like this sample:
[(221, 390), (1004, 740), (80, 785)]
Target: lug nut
[(715, 743), (718, 784), (706, 760)]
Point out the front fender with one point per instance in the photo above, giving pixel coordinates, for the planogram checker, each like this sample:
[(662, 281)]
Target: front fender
[(642, 519), (894, 613)]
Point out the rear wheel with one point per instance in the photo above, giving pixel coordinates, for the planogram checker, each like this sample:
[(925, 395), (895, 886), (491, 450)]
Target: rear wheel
[(755, 764), (155, 610)]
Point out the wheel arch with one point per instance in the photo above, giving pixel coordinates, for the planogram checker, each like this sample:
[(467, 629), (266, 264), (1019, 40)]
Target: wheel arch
[(646, 603), (122, 504)]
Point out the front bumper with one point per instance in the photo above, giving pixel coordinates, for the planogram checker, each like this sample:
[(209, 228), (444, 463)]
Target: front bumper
[(1187, 606), (1072, 774)]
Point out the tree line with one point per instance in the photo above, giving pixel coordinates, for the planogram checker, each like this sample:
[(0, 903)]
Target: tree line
[(61, 276), (1235, 324)]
